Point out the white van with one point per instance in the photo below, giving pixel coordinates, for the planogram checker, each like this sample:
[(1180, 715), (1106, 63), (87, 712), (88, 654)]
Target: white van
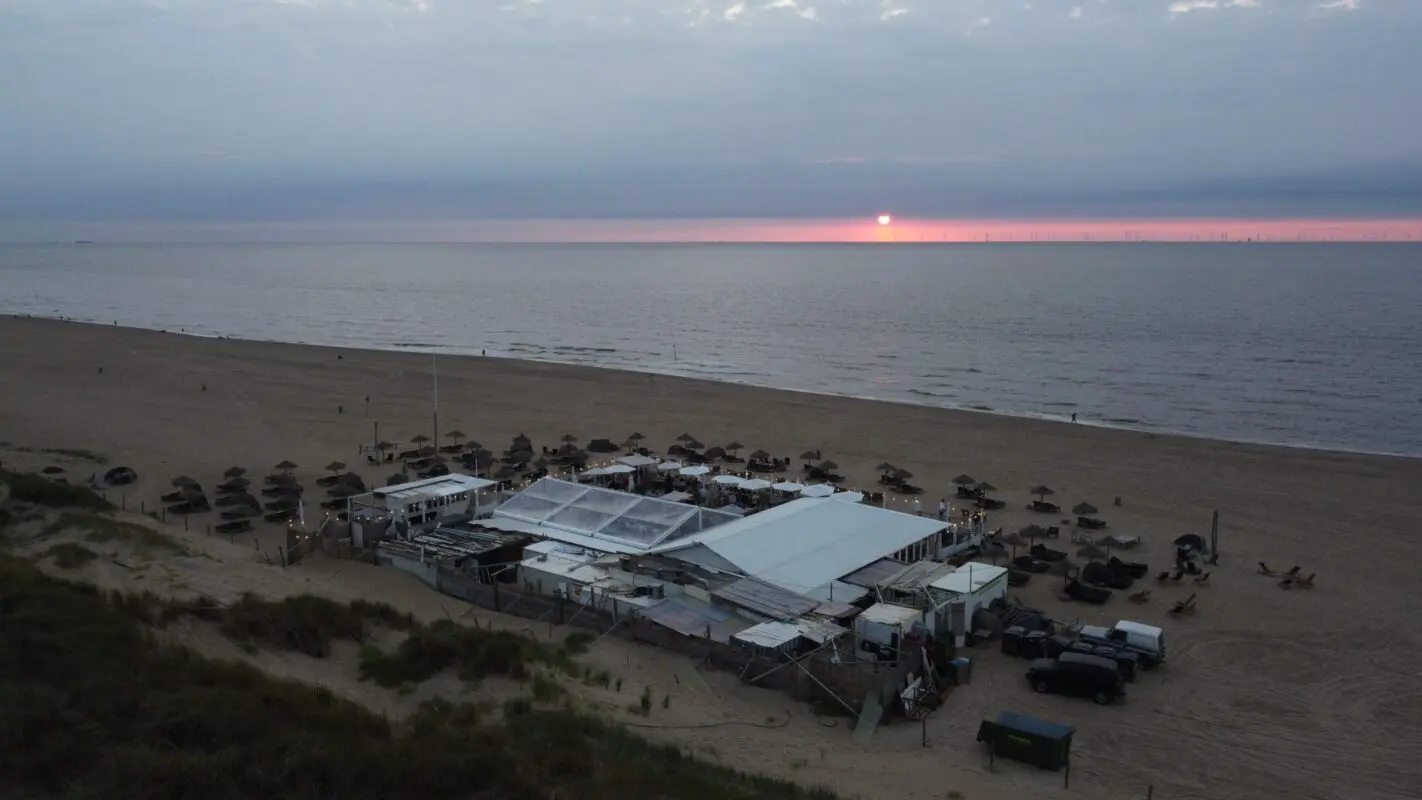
[(1146, 640)]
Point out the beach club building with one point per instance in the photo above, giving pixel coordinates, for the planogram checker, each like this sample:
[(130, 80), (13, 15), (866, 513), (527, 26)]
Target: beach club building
[(431, 501)]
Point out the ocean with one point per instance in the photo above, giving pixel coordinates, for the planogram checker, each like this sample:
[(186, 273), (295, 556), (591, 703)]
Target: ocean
[(1310, 345)]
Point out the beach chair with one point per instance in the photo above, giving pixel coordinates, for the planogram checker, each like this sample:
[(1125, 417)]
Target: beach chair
[(1203, 580), (1286, 583), (1305, 583), (1141, 597), (1294, 571), (1264, 570), (1185, 606), (1163, 576)]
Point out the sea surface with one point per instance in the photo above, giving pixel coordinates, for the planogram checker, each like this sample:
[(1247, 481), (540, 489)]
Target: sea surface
[(1312, 345)]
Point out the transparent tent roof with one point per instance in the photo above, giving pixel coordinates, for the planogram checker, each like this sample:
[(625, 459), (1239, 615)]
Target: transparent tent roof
[(628, 519)]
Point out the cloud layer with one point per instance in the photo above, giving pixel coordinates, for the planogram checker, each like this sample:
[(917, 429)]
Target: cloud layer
[(267, 109)]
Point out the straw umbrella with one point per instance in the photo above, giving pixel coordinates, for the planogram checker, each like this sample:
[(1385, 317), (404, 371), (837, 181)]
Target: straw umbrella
[(630, 445), (1091, 553), (760, 455), (541, 463), (335, 467), (964, 480), (1041, 492), (828, 466), (183, 480), (1083, 509), (886, 468), (685, 437), (234, 472), (1062, 569), (810, 455), (396, 478), (1012, 540), (1032, 532), (985, 487), (692, 444), (902, 474), (568, 438), (734, 447), (383, 446), (419, 439), (522, 441), (285, 466), (457, 436), (715, 452)]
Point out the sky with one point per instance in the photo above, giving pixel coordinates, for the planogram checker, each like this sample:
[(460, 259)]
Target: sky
[(450, 118)]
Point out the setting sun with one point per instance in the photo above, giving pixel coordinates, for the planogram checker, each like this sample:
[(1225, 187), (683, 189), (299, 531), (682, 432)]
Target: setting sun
[(885, 219)]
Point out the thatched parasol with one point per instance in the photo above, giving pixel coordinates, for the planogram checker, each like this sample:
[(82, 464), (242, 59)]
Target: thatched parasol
[(505, 474), (985, 487), (285, 466), (541, 463), (964, 480), (234, 472), (568, 438), (733, 447), (685, 437), (1032, 532), (426, 452), (455, 435), (810, 455), (1012, 539), (715, 452), (1041, 492), (692, 444), (335, 467), (1083, 509), (635, 437), (886, 467), (1061, 569), (419, 438), (183, 480), (52, 470), (397, 477), (383, 445), (1091, 552), (522, 440), (630, 444), (902, 474), (234, 483), (760, 455), (828, 466)]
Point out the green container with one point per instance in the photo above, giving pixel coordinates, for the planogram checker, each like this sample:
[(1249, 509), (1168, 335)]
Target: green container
[(1029, 740)]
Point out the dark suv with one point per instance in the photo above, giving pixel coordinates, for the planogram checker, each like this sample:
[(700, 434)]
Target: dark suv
[(1079, 674)]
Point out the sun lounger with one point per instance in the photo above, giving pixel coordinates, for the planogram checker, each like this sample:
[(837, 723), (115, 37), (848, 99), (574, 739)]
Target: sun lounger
[(906, 488), (1090, 523), (278, 491), (1018, 578), (1186, 606), (1143, 596), (1305, 583), (989, 504), (1076, 590), (279, 516), (1030, 564), (1203, 580), (1043, 507), (1135, 569), (1046, 553), (235, 526), (1098, 574)]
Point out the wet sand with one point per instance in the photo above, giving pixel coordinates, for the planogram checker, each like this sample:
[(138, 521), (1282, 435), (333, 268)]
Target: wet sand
[(1269, 693)]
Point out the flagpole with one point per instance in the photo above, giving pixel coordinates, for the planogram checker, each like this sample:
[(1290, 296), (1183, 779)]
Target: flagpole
[(434, 361)]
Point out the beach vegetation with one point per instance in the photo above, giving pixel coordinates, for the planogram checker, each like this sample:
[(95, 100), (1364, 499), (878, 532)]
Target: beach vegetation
[(101, 529), (143, 718), (70, 555), (26, 487), (67, 452)]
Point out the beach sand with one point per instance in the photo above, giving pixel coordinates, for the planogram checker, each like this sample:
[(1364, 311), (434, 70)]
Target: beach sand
[(1269, 693)]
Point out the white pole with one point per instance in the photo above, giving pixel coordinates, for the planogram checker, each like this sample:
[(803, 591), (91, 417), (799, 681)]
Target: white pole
[(434, 362)]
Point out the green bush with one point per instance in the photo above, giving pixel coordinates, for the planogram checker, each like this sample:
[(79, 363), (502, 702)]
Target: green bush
[(98, 708), (70, 555), (27, 487)]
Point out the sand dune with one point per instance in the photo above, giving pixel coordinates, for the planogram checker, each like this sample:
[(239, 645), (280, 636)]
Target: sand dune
[(1270, 693)]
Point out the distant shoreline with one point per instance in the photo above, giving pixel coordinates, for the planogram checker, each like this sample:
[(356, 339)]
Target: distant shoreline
[(652, 373)]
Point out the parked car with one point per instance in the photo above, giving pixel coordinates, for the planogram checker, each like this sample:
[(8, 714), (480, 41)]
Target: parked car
[(1147, 641), (1078, 674)]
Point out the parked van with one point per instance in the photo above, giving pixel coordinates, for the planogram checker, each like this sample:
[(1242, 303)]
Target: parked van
[(1078, 674), (1146, 640)]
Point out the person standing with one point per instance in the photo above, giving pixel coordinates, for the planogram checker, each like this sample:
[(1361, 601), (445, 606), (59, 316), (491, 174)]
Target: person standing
[(943, 509), (917, 508)]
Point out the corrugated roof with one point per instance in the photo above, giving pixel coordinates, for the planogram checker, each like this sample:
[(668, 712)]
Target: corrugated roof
[(890, 614), (917, 575), (768, 634), (450, 544), (764, 598), (805, 544), (691, 618), (876, 573)]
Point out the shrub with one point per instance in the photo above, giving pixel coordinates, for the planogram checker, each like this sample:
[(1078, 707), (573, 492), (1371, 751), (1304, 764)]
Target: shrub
[(71, 555)]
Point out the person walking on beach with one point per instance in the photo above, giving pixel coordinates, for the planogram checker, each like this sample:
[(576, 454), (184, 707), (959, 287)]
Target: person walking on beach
[(943, 509), (1073, 417), (917, 508)]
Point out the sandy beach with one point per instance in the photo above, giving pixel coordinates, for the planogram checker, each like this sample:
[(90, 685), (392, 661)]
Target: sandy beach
[(1269, 693)]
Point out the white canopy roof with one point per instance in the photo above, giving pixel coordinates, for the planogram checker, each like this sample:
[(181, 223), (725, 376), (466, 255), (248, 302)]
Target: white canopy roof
[(728, 480), (755, 484), (699, 469), (788, 486), (969, 578), (848, 497), (619, 469), (807, 544), (669, 466), (817, 490), (637, 461)]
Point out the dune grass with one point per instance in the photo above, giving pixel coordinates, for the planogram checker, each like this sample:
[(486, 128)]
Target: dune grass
[(27, 487), (71, 555), (101, 529), (98, 708)]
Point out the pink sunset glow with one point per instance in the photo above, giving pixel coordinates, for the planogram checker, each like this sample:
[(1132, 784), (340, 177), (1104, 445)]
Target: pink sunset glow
[(909, 230)]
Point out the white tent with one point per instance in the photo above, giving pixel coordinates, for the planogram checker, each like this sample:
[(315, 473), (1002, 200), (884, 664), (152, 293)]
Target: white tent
[(788, 486), (728, 480), (755, 484), (637, 461), (696, 471), (849, 497), (619, 469), (669, 466), (817, 490)]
